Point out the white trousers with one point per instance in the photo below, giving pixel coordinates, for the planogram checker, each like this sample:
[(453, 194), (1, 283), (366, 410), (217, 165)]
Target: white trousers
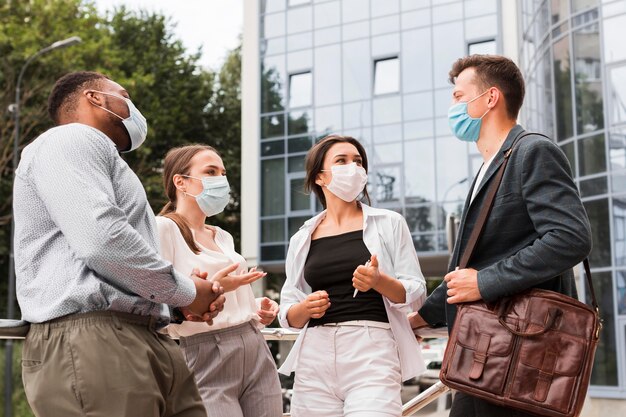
[(347, 371)]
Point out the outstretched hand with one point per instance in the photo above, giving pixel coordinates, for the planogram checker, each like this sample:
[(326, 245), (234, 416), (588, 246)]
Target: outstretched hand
[(232, 282), (268, 311)]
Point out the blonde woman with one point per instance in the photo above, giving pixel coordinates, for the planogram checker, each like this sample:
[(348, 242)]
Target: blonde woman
[(233, 367), (352, 277)]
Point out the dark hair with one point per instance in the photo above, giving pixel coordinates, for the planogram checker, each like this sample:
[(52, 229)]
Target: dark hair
[(62, 99), (498, 71), (315, 160), (178, 161)]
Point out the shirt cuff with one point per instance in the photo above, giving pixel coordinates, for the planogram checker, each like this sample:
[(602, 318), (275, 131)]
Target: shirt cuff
[(185, 292)]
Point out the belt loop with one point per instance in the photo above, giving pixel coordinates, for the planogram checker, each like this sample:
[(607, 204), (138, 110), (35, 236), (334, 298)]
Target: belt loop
[(116, 321), (46, 330)]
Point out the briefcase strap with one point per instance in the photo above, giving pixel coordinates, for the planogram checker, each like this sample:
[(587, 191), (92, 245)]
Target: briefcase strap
[(486, 209)]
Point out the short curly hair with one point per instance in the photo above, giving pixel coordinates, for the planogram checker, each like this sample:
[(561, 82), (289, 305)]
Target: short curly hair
[(62, 99), (498, 71)]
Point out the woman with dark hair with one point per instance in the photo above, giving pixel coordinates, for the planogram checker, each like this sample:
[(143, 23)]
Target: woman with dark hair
[(352, 277), (232, 364)]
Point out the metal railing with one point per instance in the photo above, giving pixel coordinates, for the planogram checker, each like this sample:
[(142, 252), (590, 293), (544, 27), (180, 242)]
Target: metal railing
[(17, 329)]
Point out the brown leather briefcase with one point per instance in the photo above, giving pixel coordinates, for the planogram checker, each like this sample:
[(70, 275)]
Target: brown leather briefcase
[(533, 351)]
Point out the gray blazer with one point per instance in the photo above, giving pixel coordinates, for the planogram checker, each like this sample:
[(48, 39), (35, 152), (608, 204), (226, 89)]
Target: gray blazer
[(536, 232)]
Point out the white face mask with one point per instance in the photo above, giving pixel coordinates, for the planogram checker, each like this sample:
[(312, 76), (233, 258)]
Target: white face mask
[(215, 194), (348, 181), (135, 124)]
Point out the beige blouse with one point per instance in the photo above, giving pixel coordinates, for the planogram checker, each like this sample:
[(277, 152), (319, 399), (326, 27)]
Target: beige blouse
[(240, 305)]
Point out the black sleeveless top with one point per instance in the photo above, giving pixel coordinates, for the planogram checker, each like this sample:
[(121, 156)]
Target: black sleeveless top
[(329, 266)]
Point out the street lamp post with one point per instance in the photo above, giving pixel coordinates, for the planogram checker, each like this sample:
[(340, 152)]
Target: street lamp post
[(15, 109)]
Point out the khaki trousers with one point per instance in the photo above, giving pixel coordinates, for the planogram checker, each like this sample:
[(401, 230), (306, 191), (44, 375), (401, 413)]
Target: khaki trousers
[(105, 364)]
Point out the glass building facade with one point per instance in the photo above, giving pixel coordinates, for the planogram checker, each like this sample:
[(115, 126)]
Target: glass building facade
[(377, 70), (573, 57)]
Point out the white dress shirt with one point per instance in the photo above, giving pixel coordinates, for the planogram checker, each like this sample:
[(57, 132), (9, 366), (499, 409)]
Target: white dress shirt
[(386, 234), (240, 306)]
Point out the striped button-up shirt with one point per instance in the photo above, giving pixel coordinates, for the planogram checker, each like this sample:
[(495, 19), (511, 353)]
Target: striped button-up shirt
[(85, 235)]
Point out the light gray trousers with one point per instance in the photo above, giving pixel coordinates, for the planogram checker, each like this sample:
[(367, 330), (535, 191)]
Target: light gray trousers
[(235, 372)]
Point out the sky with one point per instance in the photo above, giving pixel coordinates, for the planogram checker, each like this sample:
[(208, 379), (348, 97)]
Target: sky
[(213, 24)]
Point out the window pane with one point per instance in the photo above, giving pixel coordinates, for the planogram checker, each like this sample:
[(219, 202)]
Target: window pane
[(387, 184), (415, 19), (387, 76), (621, 291), (273, 230), (300, 41), (387, 154), (328, 119), (296, 164), (299, 19), (328, 75), (299, 199), (384, 7), (425, 243), (356, 115), (295, 223), (595, 186), (273, 253), (293, 3), (419, 173), (479, 7), (449, 44), (486, 47), (301, 144), (618, 95), (416, 60), (300, 90), (591, 155), (388, 133), (387, 110), (418, 130), (327, 14), (617, 148), (451, 162), (418, 106), (273, 25), (560, 10), (569, 151), (273, 79), (613, 37), (300, 122), (578, 5), (587, 72), (273, 187), (619, 224), (268, 6), (598, 212), (274, 147), (272, 126), (353, 10), (563, 83), (356, 70), (605, 364), (421, 219)]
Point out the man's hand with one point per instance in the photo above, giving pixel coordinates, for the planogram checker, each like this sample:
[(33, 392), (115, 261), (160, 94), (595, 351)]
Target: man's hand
[(366, 277), (209, 299), (268, 311), (462, 286), (232, 282), (316, 304)]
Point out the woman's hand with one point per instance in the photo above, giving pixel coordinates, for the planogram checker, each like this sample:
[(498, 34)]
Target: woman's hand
[(268, 311), (232, 282), (366, 277), (316, 304)]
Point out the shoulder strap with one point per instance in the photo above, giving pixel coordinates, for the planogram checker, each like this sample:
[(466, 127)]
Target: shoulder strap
[(486, 209)]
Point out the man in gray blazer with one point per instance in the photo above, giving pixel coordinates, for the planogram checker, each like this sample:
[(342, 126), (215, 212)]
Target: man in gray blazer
[(538, 228)]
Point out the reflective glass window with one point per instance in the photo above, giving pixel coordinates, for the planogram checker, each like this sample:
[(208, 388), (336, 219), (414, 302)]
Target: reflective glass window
[(300, 61), (387, 133), (273, 46), (421, 219), (273, 25), (588, 81), (273, 230), (328, 119), (598, 212), (354, 10), (419, 129), (301, 144), (425, 242), (273, 253), (300, 41), (387, 184), (327, 14), (414, 4), (605, 362), (613, 36), (578, 5), (273, 79), (295, 164), (619, 232), (328, 75), (293, 3), (613, 9), (560, 10), (475, 8), (415, 19), (419, 173), (272, 126), (273, 147), (386, 45), (356, 30), (273, 187), (451, 169), (269, 6), (417, 70), (300, 122), (357, 70), (387, 154), (299, 199), (563, 92), (617, 148), (295, 223), (449, 45), (620, 279), (328, 35), (484, 48), (481, 27), (387, 110), (300, 90), (544, 68), (443, 100), (570, 152), (299, 19), (617, 87), (594, 186), (591, 155), (357, 114), (385, 24), (418, 106), (384, 7)]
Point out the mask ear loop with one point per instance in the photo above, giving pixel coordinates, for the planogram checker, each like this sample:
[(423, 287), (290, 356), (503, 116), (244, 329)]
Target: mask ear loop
[(104, 108)]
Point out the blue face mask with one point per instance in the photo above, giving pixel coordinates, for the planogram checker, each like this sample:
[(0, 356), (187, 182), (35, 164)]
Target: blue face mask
[(464, 126), (215, 194)]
